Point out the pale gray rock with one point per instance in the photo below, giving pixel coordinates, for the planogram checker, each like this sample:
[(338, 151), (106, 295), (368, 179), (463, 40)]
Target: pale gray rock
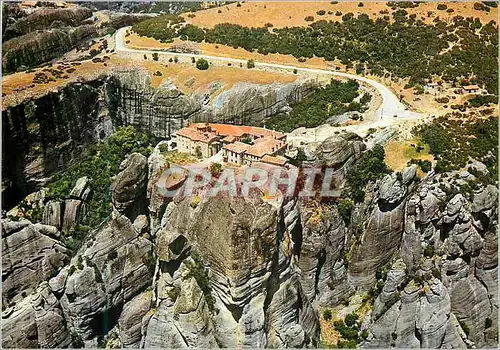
[(36, 321), (485, 200), (71, 214), (128, 190), (52, 214), (184, 323), (31, 253), (130, 321), (80, 187)]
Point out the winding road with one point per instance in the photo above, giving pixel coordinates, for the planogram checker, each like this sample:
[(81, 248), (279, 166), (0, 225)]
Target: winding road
[(390, 106)]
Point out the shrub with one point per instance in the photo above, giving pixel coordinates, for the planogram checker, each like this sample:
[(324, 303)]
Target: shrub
[(327, 315), (176, 59), (79, 263), (350, 319), (479, 6), (321, 12), (295, 71), (361, 4), (488, 322), (250, 64), (309, 18), (345, 209), (465, 327), (442, 100), (155, 56), (202, 64), (442, 7)]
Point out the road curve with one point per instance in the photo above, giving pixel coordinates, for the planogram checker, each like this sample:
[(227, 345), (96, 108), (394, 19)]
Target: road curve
[(390, 106)]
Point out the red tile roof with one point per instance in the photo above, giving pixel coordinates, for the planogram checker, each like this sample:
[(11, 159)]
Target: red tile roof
[(265, 146), (274, 160), (196, 135), (237, 147)]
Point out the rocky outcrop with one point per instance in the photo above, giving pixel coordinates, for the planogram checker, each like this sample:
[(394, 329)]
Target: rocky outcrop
[(451, 259), (128, 191), (248, 269), (130, 321), (380, 227), (252, 104), (31, 253), (38, 47), (37, 321), (46, 18), (44, 135)]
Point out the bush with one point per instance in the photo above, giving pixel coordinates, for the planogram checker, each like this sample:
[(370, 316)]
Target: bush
[(345, 209), (202, 64), (321, 12), (465, 327), (442, 7), (442, 100), (309, 19), (100, 162), (327, 315), (155, 56), (350, 319), (317, 107), (250, 64), (361, 4), (79, 263)]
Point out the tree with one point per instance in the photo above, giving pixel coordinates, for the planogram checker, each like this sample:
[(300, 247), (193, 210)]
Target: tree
[(250, 64), (155, 56), (202, 64)]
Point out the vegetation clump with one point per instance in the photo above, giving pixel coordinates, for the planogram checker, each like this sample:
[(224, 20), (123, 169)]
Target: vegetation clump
[(202, 64), (336, 98), (197, 270), (100, 163), (370, 167), (454, 142)]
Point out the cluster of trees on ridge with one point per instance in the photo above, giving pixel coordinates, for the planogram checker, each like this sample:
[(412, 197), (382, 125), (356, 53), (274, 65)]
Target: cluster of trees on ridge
[(406, 48), (335, 98)]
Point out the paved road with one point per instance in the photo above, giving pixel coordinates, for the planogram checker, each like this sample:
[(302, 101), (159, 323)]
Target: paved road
[(388, 109)]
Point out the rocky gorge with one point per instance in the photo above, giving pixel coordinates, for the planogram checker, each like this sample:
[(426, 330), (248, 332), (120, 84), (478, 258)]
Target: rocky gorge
[(204, 271)]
